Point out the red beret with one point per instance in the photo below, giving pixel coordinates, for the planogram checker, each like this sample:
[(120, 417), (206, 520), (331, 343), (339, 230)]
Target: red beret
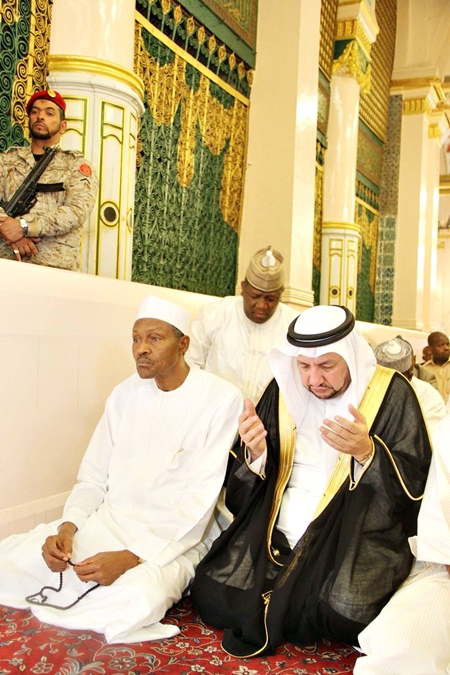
[(47, 95)]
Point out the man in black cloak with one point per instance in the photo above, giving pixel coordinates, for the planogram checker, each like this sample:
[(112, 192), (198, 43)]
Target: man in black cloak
[(325, 491)]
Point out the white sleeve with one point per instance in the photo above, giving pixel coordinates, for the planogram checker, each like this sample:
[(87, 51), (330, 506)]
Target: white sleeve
[(259, 465), (201, 334), (432, 543), (89, 491)]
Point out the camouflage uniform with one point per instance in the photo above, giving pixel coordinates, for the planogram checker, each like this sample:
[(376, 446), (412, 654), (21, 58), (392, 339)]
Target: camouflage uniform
[(57, 217)]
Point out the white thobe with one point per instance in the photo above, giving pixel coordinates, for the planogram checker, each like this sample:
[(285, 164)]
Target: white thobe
[(431, 402), (412, 633), (225, 342), (313, 464), (314, 461), (147, 483)]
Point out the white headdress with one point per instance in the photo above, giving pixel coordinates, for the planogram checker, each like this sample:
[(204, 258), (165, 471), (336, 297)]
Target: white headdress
[(320, 330), (157, 308)]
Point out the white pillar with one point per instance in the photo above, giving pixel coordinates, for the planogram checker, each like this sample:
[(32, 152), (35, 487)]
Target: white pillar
[(357, 29), (431, 233), (417, 212), (340, 234), (279, 192), (91, 65), (442, 317)]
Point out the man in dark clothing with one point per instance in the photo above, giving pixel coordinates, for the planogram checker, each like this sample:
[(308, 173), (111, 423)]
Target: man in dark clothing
[(325, 491)]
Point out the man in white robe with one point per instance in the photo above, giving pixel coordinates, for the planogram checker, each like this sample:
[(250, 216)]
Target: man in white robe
[(139, 519), (398, 354), (232, 337), (411, 635)]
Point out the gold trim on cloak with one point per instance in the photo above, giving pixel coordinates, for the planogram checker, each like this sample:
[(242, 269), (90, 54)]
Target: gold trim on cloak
[(287, 432), (369, 406)]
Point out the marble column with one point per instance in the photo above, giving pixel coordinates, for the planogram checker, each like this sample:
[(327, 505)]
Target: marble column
[(280, 179), (416, 236), (441, 319), (356, 32), (340, 233), (431, 234), (91, 65)]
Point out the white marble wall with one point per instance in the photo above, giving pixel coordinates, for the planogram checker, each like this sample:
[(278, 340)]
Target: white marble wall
[(65, 342)]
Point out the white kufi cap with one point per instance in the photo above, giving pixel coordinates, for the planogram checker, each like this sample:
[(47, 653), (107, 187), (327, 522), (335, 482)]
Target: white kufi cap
[(157, 308)]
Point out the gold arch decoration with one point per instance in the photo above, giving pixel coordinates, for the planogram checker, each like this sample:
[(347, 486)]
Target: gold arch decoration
[(167, 89)]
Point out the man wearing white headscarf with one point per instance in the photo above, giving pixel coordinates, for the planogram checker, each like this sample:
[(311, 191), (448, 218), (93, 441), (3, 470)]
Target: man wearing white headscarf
[(325, 491), (139, 518)]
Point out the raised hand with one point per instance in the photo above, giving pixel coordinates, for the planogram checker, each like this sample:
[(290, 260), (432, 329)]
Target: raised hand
[(252, 431), (346, 436)]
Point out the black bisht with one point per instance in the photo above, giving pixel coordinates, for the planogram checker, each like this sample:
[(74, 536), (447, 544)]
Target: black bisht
[(348, 563)]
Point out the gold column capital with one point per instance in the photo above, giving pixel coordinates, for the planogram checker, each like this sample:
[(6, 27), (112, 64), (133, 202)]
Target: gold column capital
[(73, 63), (352, 29), (344, 228), (355, 63)]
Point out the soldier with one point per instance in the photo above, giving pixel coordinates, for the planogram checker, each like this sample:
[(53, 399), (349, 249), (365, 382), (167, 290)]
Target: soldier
[(50, 232)]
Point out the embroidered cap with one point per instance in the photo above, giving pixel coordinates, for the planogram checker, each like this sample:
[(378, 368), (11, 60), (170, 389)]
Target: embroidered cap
[(47, 95), (157, 308), (265, 271), (396, 354)]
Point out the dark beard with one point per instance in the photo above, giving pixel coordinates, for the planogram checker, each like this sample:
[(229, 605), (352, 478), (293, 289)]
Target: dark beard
[(333, 394), (41, 135)]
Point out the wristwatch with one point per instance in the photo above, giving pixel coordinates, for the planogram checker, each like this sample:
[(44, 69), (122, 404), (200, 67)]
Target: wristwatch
[(24, 226)]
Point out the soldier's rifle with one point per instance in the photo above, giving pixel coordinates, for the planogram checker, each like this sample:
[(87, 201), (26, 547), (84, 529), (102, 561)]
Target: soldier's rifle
[(24, 197)]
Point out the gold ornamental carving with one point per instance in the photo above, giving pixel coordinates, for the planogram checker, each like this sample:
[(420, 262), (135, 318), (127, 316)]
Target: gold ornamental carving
[(351, 29), (416, 106), (220, 127), (352, 62), (434, 131), (374, 106), (328, 20)]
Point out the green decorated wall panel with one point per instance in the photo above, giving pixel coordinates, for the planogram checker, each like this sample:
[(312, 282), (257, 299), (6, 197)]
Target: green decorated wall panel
[(368, 220), (24, 33), (190, 171), (232, 21), (372, 153)]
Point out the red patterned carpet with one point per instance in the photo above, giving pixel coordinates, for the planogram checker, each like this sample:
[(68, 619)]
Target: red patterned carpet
[(28, 646)]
